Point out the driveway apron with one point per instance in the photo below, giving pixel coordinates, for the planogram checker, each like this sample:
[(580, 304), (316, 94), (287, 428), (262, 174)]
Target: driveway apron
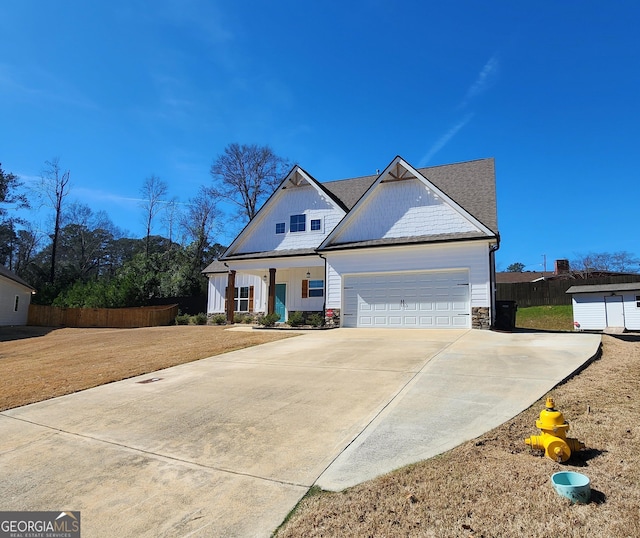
[(226, 446)]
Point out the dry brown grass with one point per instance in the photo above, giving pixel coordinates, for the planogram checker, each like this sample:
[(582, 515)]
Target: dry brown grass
[(495, 486), (38, 363)]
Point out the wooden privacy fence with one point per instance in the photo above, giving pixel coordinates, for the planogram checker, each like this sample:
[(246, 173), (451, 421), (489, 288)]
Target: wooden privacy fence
[(145, 316), (551, 292)]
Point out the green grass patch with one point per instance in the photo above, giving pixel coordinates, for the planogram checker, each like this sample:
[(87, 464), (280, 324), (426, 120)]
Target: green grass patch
[(550, 318)]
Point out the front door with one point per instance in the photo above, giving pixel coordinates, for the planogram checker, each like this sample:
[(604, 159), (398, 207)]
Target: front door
[(615, 311), (281, 302)]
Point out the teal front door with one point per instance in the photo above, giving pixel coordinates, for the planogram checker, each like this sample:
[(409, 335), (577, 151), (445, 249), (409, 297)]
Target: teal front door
[(281, 302)]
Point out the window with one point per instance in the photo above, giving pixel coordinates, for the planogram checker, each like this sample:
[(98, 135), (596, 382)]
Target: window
[(638, 301), (316, 288), (241, 296), (280, 227), (298, 223), (15, 305), (315, 225)]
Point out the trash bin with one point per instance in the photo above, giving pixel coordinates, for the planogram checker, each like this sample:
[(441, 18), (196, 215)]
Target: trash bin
[(506, 315)]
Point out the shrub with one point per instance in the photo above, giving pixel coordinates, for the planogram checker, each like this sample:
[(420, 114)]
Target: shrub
[(239, 318), (183, 319), (316, 320), (269, 320), (248, 319), (200, 318), (219, 319), (295, 319)]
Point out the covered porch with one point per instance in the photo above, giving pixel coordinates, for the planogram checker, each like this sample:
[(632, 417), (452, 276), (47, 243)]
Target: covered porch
[(274, 286)]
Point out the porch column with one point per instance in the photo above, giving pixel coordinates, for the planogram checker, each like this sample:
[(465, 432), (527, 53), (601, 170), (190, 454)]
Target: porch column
[(271, 303), (230, 302)]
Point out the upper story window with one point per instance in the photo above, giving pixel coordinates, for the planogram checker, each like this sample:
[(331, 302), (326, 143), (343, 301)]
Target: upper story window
[(638, 301), (280, 227), (298, 223), (316, 225)]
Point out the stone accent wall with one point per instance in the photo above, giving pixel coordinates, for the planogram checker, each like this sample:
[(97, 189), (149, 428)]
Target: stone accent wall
[(332, 317), (480, 318)]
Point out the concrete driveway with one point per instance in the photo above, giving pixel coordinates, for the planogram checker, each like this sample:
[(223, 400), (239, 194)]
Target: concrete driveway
[(226, 446)]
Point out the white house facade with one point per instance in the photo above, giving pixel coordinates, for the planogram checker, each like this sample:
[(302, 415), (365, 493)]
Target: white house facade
[(15, 297), (409, 248)]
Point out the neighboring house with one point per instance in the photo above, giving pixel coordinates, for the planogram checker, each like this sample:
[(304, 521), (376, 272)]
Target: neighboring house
[(406, 248), (15, 297), (598, 307)]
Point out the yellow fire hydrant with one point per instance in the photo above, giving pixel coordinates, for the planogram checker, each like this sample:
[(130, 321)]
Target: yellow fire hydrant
[(553, 440)]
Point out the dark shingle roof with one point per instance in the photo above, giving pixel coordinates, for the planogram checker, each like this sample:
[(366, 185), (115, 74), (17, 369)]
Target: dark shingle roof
[(596, 288), (435, 238), (470, 184), (12, 276)]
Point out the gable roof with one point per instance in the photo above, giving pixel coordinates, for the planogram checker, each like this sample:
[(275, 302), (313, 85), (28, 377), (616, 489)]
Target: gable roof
[(472, 181), (15, 278), (296, 177), (470, 184)]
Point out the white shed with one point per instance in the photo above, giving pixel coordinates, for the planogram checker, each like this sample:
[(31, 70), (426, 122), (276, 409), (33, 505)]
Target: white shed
[(15, 297), (601, 306)]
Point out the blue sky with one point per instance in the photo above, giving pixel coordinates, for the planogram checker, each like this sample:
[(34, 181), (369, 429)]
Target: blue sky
[(121, 90)]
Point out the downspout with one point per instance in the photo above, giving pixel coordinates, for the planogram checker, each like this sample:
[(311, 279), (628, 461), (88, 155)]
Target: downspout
[(492, 279), (326, 280)]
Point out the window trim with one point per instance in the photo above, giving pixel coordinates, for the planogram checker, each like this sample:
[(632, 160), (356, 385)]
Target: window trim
[(319, 224), (299, 224), (316, 290), (238, 299)]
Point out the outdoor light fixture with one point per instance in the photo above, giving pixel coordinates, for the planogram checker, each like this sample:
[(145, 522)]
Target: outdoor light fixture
[(308, 275), (264, 278)]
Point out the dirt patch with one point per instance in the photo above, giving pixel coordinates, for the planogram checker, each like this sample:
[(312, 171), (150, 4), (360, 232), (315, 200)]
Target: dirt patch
[(37, 363), (496, 486)]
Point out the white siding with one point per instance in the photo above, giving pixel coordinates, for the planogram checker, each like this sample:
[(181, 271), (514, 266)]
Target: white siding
[(218, 285), (403, 209), (306, 200), (632, 310), (471, 256), (9, 290), (293, 279), (589, 311)]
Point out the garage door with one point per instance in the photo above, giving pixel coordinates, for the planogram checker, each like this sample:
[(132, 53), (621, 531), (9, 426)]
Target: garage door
[(419, 300)]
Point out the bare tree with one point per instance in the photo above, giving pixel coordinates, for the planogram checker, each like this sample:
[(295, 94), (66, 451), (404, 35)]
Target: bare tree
[(199, 222), (153, 190), (247, 175), (170, 217), (53, 189), (621, 261)]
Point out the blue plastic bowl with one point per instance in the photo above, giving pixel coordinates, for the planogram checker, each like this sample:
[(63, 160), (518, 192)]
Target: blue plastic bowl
[(574, 486)]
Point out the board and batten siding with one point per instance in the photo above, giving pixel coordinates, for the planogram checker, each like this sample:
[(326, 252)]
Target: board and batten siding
[(218, 286), (306, 200), (589, 310), (403, 209), (9, 291), (470, 256)]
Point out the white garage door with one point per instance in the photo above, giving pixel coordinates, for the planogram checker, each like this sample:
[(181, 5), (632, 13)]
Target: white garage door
[(404, 300)]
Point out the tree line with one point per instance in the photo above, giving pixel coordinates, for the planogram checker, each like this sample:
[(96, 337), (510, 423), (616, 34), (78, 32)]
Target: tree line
[(82, 259)]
